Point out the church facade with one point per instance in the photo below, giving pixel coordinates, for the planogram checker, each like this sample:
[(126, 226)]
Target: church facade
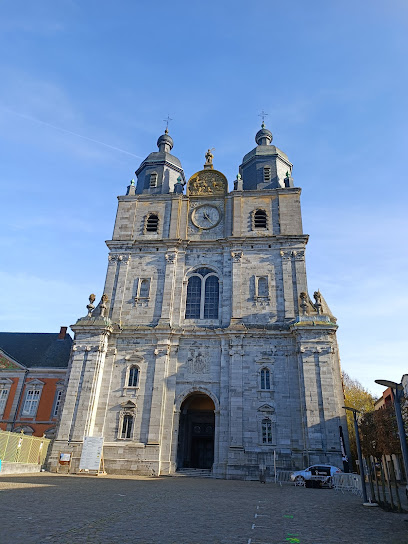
[(206, 350)]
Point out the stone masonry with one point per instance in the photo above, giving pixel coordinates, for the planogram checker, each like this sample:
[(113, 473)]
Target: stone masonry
[(206, 350)]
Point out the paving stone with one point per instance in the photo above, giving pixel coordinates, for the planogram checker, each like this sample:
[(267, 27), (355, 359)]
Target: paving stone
[(37, 509)]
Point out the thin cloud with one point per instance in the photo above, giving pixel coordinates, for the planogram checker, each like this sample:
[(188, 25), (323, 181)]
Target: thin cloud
[(31, 118)]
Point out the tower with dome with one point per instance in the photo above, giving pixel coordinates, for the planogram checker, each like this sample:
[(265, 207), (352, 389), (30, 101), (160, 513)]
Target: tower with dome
[(206, 351)]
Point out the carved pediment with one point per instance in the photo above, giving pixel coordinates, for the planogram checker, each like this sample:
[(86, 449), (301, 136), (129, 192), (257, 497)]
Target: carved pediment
[(265, 361), (7, 363), (134, 357), (266, 408), (128, 405), (36, 381)]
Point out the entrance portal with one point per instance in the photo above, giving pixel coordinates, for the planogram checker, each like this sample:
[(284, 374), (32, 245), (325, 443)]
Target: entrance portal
[(196, 432)]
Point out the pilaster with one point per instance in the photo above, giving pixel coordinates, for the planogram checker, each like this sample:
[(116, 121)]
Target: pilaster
[(236, 407), (169, 287), (119, 285), (158, 393), (236, 257), (286, 259)]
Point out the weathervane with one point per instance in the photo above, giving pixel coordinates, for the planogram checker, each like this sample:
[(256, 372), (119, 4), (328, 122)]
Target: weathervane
[(263, 115), (167, 121)]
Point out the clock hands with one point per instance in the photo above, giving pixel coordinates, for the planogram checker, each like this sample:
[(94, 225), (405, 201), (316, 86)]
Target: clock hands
[(208, 219), (205, 216)]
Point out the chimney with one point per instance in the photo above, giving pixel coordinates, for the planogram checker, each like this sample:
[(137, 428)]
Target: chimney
[(62, 333)]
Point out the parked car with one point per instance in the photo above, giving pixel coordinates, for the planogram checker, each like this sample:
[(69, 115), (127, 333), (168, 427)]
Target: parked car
[(313, 472)]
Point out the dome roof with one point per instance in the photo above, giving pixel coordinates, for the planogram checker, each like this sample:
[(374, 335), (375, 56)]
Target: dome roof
[(165, 139), (263, 136)]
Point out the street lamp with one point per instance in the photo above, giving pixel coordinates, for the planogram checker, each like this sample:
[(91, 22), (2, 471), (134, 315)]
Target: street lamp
[(397, 389), (360, 457)]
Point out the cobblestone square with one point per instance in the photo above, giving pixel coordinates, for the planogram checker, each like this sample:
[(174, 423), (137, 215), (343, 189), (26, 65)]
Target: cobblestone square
[(37, 509)]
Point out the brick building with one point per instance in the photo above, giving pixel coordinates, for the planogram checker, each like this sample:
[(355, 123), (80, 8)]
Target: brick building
[(206, 350), (33, 369)]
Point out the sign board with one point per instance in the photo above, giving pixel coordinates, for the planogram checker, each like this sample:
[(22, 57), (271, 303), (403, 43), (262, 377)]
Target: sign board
[(64, 458), (91, 453)]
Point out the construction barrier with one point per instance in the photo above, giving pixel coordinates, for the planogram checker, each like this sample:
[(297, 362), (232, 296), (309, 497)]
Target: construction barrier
[(347, 482), (18, 448)]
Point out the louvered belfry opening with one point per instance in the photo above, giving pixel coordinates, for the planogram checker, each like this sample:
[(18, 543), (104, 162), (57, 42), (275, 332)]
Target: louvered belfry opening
[(260, 219), (152, 223)]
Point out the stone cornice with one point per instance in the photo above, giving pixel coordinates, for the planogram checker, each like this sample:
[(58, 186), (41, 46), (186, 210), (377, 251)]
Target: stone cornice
[(279, 241), (251, 193)]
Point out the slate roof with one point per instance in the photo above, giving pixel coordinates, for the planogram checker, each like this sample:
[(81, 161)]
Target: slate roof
[(37, 349)]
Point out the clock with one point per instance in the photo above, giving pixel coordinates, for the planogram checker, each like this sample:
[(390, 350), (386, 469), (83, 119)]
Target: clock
[(206, 216)]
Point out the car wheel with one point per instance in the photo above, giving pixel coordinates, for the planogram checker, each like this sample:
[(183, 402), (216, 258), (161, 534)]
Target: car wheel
[(299, 480)]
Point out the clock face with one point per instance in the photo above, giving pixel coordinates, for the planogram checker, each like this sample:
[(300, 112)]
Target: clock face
[(206, 216)]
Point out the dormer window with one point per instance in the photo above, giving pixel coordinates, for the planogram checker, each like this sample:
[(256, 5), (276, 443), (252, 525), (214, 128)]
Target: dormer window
[(152, 223), (153, 180), (260, 219), (266, 174)]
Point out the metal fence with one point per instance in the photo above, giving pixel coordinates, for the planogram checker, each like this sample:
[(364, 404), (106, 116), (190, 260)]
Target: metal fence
[(347, 482), (18, 448), (282, 476)]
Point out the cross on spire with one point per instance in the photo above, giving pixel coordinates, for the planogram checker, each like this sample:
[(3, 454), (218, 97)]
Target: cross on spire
[(167, 121), (263, 115)]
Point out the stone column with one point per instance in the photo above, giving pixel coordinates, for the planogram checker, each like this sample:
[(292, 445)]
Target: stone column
[(169, 287), (311, 389), (99, 356), (300, 271), (176, 205), (178, 304), (119, 286), (86, 405), (79, 358), (158, 393), (236, 215), (222, 422), (168, 437), (236, 393), (286, 258), (236, 295), (111, 280)]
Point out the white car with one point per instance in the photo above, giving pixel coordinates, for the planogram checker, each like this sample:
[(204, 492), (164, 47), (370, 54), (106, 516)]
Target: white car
[(313, 472)]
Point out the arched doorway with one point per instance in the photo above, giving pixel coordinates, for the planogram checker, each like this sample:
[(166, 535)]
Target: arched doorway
[(196, 432)]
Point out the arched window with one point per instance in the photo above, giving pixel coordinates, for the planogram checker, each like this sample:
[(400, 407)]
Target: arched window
[(266, 425), (260, 219), (202, 295), (152, 223), (153, 179), (262, 290), (127, 425), (267, 173), (265, 379), (133, 378)]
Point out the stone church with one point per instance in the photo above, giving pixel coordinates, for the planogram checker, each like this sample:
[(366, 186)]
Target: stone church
[(206, 350)]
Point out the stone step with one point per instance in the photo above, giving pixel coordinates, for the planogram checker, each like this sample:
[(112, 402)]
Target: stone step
[(194, 472)]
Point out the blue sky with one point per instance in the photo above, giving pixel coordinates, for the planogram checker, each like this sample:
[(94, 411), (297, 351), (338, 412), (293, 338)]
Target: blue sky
[(86, 85)]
